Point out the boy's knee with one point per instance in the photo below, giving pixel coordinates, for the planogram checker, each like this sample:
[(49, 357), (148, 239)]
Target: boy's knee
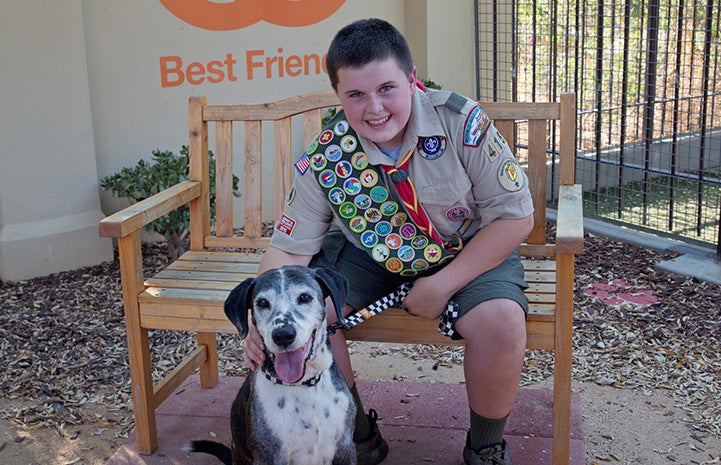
[(501, 322)]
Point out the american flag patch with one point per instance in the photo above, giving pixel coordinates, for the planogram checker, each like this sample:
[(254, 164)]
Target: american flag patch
[(303, 164)]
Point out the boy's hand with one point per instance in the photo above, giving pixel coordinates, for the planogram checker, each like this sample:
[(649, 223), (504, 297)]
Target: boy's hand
[(427, 299), (253, 348)]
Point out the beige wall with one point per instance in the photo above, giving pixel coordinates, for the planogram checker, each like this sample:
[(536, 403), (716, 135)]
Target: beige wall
[(49, 206), (91, 86)]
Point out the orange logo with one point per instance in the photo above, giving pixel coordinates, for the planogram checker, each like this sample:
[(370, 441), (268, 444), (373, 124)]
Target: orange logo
[(217, 15)]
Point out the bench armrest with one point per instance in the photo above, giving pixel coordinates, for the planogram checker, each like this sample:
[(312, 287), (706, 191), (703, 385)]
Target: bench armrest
[(134, 217), (569, 221)]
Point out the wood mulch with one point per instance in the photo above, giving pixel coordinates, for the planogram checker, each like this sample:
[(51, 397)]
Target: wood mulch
[(62, 339)]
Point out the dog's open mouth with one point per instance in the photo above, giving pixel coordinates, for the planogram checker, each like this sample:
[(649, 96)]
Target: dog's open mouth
[(290, 365)]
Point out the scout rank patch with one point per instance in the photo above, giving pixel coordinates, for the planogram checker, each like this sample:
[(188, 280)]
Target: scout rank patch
[(358, 195)]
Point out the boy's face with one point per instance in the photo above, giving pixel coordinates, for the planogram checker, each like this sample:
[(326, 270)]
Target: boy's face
[(376, 98)]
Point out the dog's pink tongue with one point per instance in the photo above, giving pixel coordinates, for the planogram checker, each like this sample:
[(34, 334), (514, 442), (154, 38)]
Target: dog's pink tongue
[(289, 365)]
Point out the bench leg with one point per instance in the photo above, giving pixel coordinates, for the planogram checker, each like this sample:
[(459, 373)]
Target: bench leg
[(209, 368), (141, 378), (563, 359)]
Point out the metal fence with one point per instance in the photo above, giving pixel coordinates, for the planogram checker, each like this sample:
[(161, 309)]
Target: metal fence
[(647, 75)]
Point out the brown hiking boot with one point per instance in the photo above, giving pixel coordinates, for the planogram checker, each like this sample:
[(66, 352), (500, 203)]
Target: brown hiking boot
[(374, 449)]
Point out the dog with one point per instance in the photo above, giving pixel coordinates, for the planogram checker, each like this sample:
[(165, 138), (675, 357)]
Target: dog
[(297, 409)]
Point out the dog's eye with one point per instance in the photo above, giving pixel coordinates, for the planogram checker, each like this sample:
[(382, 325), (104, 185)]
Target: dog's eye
[(262, 303), (304, 298)]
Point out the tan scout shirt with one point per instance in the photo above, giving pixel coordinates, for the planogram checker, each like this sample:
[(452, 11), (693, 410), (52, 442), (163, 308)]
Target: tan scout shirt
[(465, 176)]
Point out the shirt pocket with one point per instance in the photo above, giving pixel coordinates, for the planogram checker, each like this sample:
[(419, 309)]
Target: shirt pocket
[(441, 198)]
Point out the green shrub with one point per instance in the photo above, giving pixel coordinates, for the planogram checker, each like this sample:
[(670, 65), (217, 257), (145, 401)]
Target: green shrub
[(148, 178)]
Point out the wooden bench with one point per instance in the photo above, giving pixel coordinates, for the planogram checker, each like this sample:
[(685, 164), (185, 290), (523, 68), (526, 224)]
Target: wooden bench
[(189, 294)]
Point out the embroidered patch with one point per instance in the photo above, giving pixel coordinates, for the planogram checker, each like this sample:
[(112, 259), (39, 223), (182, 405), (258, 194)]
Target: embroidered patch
[(341, 127), (285, 224), (432, 147), (336, 196), (325, 137), (510, 176), (457, 213), (303, 164), (318, 162), (359, 160), (476, 126)]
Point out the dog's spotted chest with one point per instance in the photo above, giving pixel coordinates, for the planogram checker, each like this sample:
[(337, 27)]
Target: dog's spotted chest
[(311, 420)]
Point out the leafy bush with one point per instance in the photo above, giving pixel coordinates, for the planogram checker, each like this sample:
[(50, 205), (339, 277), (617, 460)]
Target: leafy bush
[(148, 178)]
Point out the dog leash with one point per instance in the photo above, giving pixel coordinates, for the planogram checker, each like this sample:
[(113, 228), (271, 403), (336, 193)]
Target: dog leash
[(445, 325)]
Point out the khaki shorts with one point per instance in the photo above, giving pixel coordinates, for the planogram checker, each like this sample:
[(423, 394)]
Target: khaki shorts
[(368, 281)]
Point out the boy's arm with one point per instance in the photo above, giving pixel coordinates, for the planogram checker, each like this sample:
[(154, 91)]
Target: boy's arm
[(275, 258), (487, 249)]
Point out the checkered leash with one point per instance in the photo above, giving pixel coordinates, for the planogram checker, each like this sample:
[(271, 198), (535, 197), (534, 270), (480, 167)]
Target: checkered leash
[(445, 325)]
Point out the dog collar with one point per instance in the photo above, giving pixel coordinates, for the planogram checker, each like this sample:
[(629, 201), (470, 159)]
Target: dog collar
[(274, 379)]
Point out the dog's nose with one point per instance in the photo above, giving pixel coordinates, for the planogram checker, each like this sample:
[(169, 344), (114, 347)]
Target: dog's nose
[(284, 336)]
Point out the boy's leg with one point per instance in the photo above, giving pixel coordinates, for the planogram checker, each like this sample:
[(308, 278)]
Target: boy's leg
[(495, 333)]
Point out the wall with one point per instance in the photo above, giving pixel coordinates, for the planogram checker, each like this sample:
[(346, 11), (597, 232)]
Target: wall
[(93, 86), (49, 208)]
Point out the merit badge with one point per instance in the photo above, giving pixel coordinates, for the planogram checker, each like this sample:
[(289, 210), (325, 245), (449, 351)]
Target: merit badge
[(379, 194), (312, 147), (394, 265), (336, 196), (381, 253), (348, 144), (383, 228), (406, 253), (302, 164), (285, 224), (359, 160), (389, 208), (325, 137), (341, 127), (357, 224), (393, 241), (432, 253), (510, 176), (432, 147), (347, 210), (476, 126), (369, 178), (318, 162), (419, 242), (362, 201), (333, 153), (457, 213), (369, 239), (352, 186), (343, 169), (327, 178), (408, 231), (373, 215), (420, 265)]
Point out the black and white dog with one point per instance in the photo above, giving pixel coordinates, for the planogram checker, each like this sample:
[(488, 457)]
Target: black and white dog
[(297, 409)]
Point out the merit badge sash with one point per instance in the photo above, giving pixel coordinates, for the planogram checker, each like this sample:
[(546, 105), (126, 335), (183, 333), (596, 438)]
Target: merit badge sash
[(362, 202)]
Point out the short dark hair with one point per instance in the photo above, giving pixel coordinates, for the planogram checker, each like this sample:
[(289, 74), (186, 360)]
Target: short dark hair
[(364, 41)]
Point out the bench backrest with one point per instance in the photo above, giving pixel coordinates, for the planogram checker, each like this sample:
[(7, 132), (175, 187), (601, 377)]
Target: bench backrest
[(542, 134)]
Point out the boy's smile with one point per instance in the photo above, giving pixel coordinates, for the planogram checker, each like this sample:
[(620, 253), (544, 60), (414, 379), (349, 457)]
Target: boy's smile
[(376, 98)]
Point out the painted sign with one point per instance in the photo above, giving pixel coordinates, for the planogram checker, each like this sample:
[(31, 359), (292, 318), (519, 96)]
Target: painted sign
[(221, 15)]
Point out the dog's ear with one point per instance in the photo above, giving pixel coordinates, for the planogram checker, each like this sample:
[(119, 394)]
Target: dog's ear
[(237, 304), (334, 285)]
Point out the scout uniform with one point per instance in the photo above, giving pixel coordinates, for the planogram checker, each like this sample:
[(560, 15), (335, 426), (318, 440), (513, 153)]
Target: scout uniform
[(462, 172)]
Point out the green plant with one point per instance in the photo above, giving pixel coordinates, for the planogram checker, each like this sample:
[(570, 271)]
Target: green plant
[(148, 178)]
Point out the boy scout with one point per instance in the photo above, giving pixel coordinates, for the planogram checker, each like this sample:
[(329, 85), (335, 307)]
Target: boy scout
[(419, 186)]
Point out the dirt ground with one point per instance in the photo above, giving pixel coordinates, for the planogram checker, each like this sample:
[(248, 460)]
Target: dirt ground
[(646, 362), (621, 426)]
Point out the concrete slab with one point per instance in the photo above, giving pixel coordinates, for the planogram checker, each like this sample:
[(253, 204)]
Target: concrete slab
[(422, 422)]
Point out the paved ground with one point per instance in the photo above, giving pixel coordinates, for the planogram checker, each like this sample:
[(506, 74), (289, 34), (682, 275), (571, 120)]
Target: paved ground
[(422, 422)]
